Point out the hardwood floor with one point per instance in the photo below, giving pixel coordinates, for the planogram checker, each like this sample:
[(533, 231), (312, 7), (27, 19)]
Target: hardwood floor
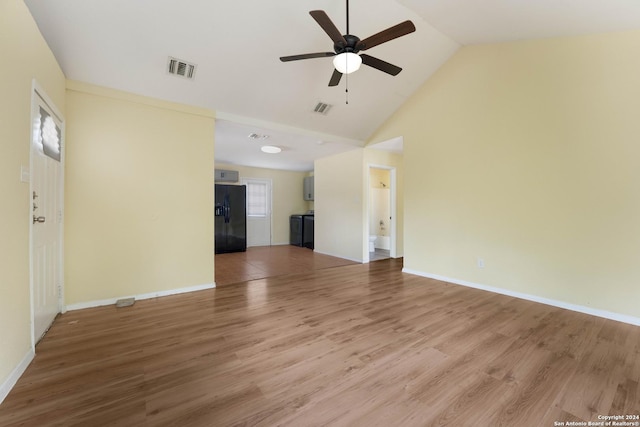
[(270, 261), (359, 345)]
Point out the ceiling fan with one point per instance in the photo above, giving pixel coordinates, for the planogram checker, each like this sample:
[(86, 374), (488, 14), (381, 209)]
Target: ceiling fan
[(346, 47)]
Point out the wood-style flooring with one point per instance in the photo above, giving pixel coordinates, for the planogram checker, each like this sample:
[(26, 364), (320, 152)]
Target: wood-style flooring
[(270, 261), (355, 345)]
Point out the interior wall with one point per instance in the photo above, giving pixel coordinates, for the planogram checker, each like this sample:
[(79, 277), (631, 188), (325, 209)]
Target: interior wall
[(524, 155), (21, 46), (287, 196), (139, 195), (340, 210)]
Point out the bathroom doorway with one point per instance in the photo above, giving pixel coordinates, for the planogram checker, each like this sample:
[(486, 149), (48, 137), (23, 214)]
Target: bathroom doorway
[(381, 213)]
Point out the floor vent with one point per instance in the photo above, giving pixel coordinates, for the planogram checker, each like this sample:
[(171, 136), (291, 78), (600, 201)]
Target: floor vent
[(181, 68), (322, 108)]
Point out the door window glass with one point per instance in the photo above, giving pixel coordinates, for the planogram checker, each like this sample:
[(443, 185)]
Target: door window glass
[(256, 199), (50, 135)]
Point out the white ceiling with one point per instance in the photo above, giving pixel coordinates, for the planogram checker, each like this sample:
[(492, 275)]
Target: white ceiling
[(493, 21), (299, 149), (124, 44)]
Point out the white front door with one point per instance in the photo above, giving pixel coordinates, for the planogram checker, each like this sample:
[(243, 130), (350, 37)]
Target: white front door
[(46, 215), (258, 211)]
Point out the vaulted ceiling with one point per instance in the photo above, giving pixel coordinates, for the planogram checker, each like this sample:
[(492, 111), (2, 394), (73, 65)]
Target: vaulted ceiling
[(236, 45)]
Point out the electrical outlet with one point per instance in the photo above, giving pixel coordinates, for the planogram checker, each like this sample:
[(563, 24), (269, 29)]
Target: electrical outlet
[(480, 262), (25, 176)]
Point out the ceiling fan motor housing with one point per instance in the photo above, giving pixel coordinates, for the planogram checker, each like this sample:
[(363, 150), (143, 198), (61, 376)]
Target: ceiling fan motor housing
[(352, 45)]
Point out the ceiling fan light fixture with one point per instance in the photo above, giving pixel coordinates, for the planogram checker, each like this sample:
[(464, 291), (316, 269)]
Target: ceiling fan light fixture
[(270, 149), (347, 62)]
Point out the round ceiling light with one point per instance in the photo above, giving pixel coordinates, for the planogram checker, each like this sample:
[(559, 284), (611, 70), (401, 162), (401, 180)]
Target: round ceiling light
[(347, 62), (270, 149)]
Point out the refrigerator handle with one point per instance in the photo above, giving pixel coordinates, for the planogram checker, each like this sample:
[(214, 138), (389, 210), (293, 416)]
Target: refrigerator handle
[(226, 209)]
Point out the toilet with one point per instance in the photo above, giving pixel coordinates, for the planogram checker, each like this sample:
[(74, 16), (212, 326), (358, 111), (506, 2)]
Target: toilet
[(372, 240)]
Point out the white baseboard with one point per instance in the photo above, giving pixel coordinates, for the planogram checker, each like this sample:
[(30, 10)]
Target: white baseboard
[(359, 261), (110, 301), (15, 375), (555, 303)]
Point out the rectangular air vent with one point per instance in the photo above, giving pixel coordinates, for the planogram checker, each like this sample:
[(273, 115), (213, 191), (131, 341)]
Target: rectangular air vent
[(226, 176), (322, 108), (181, 68)]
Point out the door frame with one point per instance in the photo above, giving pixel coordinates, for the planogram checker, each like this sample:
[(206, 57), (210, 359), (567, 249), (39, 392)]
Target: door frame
[(393, 210), (38, 95)]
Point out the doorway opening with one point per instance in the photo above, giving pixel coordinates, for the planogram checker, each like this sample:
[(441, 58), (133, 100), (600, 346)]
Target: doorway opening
[(381, 213)]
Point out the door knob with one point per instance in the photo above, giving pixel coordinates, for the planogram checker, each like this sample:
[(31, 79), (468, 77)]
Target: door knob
[(38, 219)]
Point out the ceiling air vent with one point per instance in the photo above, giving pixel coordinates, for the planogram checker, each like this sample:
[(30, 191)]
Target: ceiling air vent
[(181, 68), (322, 108)]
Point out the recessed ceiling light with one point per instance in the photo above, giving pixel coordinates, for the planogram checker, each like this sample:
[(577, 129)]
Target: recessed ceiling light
[(270, 149)]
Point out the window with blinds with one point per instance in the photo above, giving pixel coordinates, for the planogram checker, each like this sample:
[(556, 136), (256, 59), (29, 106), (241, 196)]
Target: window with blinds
[(256, 199)]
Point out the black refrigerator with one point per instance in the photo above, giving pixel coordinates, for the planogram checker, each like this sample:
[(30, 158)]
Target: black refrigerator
[(231, 218)]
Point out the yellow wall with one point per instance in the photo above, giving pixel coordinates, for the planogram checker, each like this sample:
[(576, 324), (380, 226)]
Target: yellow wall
[(375, 157), (526, 155), (379, 178), (25, 56), (287, 196), (342, 201), (340, 208), (139, 195)]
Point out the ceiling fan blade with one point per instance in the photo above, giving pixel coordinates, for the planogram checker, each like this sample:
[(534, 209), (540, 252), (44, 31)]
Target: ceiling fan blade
[(384, 36), (306, 56), (335, 78), (381, 65), (328, 26)]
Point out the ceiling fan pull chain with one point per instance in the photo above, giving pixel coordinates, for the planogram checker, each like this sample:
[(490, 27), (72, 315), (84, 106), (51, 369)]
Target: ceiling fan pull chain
[(346, 89)]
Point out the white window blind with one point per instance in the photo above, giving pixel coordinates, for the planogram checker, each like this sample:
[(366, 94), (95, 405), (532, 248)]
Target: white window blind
[(256, 199)]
